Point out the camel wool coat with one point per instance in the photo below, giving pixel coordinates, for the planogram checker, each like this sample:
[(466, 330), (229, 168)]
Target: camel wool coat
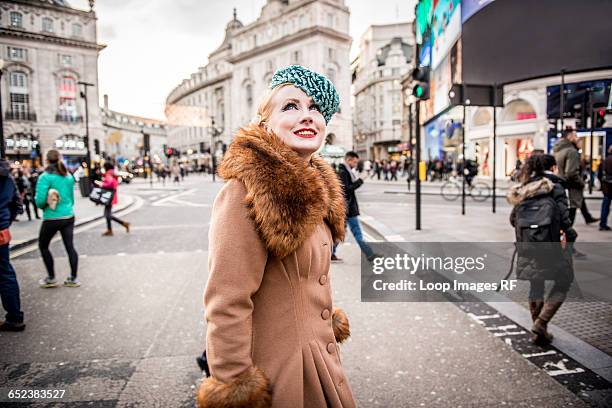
[(272, 332)]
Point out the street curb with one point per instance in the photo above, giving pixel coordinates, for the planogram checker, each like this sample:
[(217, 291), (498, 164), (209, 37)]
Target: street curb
[(84, 221), (585, 354)]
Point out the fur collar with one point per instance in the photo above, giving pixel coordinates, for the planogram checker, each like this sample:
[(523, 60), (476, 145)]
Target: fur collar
[(287, 198), (522, 192)]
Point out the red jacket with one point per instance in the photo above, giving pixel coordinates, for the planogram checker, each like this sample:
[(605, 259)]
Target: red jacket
[(110, 182)]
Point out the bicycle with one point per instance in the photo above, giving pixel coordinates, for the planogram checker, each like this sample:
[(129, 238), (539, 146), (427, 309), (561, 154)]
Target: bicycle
[(478, 190)]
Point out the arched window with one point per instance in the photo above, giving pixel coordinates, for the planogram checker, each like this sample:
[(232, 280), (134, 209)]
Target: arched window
[(481, 117), (331, 75), (16, 19), (249, 95), (19, 96), (518, 109), (67, 111), (47, 25)]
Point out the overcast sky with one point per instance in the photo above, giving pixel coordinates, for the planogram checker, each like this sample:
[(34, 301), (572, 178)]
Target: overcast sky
[(152, 45)]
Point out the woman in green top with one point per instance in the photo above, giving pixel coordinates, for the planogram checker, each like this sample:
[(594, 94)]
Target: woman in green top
[(55, 195)]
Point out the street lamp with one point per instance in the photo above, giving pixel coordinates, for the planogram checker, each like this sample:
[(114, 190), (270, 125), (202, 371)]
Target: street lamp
[(84, 96), (214, 132), (2, 145)]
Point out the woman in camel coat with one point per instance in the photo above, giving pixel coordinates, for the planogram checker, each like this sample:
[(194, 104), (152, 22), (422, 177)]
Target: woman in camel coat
[(272, 330)]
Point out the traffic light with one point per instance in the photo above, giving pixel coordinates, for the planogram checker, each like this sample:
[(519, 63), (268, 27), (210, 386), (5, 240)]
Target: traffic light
[(96, 146), (420, 87), (600, 118), (201, 147), (169, 152), (580, 115)]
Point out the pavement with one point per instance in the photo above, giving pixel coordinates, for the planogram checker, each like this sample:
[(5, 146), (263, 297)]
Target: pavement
[(130, 334)]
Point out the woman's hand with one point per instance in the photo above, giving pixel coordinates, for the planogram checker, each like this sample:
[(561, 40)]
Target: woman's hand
[(98, 183)]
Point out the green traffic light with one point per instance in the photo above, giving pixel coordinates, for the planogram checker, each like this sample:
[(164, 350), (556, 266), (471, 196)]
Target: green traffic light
[(418, 91)]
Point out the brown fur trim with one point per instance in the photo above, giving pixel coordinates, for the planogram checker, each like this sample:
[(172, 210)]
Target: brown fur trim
[(340, 324), (250, 389), (521, 192), (287, 198)]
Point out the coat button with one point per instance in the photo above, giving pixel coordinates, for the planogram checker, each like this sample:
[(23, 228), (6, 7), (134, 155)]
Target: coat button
[(323, 279), (331, 348), (325, 314)]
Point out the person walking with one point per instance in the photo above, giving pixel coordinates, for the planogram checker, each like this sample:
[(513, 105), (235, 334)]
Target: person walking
[(272, 332), (33, 179), (350, 182), (568, 167), (110, 182), (10, 206), (23, 186), (176, 173), (606, 189), (538, 232), (55, 196)]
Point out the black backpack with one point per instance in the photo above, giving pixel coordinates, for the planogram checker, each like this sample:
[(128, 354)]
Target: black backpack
[(538, 219)]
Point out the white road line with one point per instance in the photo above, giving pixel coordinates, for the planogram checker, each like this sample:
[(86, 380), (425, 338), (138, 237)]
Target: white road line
[(544, 353), (163, 200)]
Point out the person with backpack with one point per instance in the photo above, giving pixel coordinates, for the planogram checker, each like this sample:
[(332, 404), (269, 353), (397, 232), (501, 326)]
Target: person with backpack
[(55, 196), (542, 221)]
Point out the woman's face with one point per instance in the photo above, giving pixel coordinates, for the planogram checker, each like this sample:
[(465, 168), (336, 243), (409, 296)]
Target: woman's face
[(297, 121)]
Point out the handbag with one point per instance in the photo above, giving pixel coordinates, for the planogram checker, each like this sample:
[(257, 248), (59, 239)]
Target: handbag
[(5, 236), (53, 198), (102, 196)]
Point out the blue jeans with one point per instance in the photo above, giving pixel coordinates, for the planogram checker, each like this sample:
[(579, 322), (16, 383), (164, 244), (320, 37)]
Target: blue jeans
[(605, 211), (9, 288), (353, 223)]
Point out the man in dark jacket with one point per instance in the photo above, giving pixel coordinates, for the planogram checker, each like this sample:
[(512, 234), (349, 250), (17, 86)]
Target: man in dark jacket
[(351, 182), (606, 188), (10, 206), (568, 167)]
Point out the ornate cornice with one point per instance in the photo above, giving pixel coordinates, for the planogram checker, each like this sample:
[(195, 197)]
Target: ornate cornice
[(300, 35), (49, 6), (26, 35)]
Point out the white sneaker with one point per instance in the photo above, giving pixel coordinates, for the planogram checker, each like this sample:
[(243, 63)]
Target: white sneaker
[(47, 283)]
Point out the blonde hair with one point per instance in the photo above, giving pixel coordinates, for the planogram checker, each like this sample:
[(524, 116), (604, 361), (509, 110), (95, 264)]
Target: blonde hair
[(264, 111)]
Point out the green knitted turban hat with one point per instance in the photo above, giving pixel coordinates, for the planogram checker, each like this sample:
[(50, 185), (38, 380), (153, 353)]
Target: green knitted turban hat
[(317, 86)]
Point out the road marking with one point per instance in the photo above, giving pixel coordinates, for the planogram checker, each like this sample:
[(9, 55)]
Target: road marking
[(544, 353), (559, 368), (174, 201), (120, 253)]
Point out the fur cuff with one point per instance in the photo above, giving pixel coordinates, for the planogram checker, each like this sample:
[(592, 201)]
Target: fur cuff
[(340, 324), (250, 389)]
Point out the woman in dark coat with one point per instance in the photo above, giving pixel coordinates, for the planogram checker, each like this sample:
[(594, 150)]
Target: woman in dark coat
[(539, 188)]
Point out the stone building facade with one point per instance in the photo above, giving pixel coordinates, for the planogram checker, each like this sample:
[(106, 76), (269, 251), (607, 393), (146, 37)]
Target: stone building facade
[(48, 47), (124, 136), (386, 54), (227, 90)]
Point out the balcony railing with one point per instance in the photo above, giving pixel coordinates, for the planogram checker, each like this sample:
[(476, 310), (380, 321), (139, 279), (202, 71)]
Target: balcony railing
[(68, 119), (22, 116)]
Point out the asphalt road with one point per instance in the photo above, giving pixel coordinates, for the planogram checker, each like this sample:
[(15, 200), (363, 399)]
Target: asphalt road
[(130, 334)]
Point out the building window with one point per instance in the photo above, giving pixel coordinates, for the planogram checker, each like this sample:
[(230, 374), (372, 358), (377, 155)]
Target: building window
[(77, 30), (16, 19), (296, 57), (19, 95), (47, 25), (17, 54), (331, 75), (330, 20), (249, 95), (331, 54), (67, 111), (66, 60), (269, 66), (395, 71)]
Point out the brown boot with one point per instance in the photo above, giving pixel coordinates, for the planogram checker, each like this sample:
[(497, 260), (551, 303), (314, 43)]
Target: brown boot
[(108, 233), (535, 307), (127, 226), (540, 326)]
